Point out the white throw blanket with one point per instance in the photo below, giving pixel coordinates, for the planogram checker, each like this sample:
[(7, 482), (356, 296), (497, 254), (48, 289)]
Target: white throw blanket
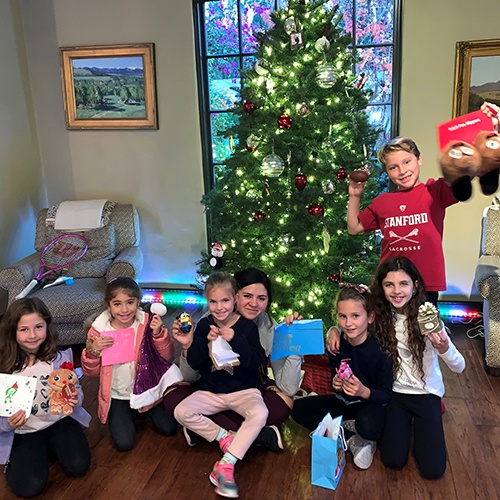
[(79, 215)]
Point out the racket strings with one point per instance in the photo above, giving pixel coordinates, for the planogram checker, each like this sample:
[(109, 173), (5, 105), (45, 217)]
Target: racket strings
[(63, 251)]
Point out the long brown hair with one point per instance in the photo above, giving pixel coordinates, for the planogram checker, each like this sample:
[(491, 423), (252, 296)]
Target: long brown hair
[(12, 356), (385, 315)]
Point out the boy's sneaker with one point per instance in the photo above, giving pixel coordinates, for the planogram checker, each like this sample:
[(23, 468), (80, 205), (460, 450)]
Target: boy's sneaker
[(362, 450), (222, 477), (192, 438), (349, 425), (225, 442), (270, 438)]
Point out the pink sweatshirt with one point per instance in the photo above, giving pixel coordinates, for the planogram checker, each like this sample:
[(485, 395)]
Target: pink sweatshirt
[(91, 366)]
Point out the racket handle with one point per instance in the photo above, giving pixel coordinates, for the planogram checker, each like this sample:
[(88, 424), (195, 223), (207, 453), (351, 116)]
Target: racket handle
[(32, 284)]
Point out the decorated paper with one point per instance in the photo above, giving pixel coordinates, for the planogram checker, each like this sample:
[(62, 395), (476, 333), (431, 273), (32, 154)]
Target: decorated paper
[(123, 350), (301, 337), (222, 353), (464, 128), (16, 393)]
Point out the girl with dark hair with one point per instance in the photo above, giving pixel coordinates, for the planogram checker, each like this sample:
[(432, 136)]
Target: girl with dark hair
[(122, 297), (362, 378), (28, 348), (415, 406)]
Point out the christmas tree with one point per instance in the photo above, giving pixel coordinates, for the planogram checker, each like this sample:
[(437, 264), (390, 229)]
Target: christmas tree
[(279, 203)]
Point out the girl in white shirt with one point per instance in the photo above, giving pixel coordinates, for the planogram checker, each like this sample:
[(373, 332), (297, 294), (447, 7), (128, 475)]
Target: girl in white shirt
[(418, 386)]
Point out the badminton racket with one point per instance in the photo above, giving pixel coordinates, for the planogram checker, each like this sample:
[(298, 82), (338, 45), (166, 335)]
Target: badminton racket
[(59, 253)]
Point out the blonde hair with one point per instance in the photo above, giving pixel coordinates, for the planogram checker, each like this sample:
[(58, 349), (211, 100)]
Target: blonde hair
[(397, 144)]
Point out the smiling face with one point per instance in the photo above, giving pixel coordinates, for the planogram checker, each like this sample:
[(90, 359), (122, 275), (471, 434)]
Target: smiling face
[(221, 301), (354, 320), (31, 332), (123, 309), (403, 169), (398, 289), (252, 301)]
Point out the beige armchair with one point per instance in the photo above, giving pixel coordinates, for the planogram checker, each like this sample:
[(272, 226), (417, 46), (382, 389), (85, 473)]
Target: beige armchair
[(113, 252), (487, 280)]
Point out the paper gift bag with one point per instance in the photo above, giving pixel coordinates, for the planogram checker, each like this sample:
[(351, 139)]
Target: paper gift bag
[(328, 453)]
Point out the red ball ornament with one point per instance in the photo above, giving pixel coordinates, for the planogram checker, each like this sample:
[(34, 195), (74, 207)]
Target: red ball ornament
[(259, 216), (300, 181), (284, 122), (334, 278), (249, 107), (316, 209), (341, 174)]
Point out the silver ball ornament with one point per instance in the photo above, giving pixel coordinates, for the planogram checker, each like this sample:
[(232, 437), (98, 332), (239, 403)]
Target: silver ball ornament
[(322, 44), (290, 25), (328, 187), (272, 165), (260, 69), (326, 76)]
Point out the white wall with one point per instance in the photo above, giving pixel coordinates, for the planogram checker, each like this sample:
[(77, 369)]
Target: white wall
[(430, 32), (159, 171), (21, 181)]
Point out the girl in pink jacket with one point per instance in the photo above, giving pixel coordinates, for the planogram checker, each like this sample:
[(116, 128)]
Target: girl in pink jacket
[(122, 298)]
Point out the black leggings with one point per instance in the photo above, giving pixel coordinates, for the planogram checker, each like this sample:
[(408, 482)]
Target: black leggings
[(121, 419), (423, 414), (369, 418), (28, 468)]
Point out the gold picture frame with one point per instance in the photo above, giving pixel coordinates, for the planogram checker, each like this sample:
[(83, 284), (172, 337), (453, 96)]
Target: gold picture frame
[(109, 87), (477, 67)]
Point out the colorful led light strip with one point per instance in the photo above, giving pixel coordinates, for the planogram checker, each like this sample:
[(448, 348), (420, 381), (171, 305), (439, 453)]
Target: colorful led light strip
[(174, 297), (455, 310)]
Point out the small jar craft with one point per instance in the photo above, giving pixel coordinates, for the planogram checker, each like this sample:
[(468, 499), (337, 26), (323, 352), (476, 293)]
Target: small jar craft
[(428, 319)]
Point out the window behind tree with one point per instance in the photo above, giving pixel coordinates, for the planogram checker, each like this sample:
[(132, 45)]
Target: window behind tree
[(227, 38)]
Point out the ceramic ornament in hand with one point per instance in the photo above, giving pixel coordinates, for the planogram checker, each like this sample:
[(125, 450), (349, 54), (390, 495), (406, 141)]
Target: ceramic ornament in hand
[(158, 308), (344, 370)]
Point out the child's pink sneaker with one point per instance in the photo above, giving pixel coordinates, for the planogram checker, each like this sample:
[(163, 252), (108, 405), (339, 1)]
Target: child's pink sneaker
[(225, 442), (222, 477)]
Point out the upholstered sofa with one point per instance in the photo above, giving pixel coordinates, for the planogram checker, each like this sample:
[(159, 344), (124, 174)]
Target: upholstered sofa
[(487, 279), (112, 252)]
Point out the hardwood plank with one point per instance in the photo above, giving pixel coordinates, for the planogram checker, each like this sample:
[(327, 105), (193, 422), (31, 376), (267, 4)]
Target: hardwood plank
[(167, 468)]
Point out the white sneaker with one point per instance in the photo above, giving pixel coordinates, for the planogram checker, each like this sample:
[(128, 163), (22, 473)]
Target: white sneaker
[(362, 450)]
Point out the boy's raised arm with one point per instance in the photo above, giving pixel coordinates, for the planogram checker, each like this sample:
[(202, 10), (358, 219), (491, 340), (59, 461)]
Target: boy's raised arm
[(354, 226)]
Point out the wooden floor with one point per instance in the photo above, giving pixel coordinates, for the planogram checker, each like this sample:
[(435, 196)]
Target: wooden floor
[(167, 469)]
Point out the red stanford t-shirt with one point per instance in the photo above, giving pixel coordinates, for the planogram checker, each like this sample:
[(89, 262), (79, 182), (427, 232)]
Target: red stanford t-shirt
[(412, 225)]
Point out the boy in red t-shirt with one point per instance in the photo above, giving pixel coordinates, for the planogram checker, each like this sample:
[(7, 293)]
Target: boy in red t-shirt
[(411, 217)]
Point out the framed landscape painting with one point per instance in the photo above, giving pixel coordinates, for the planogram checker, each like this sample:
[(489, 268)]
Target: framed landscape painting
[(109, 87), (477, 75)]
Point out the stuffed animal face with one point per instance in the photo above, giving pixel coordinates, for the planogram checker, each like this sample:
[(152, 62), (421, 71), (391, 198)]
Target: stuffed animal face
[(488, 145), (62, 384), (460, 162)]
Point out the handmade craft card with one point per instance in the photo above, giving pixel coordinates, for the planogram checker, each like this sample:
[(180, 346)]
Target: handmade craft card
[(301, 337), (122, 351), (463, 128), (222, 354), (16, 393)]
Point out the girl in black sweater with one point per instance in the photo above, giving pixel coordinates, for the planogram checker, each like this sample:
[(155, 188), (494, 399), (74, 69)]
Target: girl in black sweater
[(362, 379)]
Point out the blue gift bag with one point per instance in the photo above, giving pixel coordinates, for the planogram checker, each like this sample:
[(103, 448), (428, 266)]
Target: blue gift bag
[(328, 452)]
